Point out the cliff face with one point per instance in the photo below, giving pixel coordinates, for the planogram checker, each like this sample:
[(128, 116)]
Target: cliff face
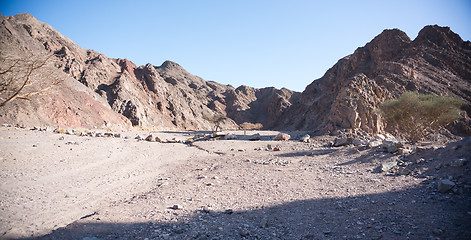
[(162, 97), (437, 61)]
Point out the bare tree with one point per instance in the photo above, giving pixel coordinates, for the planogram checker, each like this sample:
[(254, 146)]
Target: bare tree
[(16, 78)]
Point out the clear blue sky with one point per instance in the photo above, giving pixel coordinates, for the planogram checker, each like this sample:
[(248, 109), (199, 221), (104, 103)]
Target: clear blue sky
[(257, 43)]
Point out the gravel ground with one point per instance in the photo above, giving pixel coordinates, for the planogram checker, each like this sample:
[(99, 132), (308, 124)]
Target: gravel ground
[(237, 189)]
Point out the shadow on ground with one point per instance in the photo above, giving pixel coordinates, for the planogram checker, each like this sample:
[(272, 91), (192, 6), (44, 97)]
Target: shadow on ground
[(390, 215)]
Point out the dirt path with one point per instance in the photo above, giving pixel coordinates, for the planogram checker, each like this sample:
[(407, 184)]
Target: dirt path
[(235, 189), (47, 182)]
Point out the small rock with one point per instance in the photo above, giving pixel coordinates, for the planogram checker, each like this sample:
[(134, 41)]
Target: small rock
[(157, 139), (61, 138), (306, 138), (457, 162), (6, 125), (276, 149), (150, 138), (374, 143), (91, 238), (403, 151), (205, 209), (358, 142), (108, 134), (388, 166), (177, 207), (282, 137), (117, 135), (228, 211), (255, 137), (338, 142), (269, 147), (445, 185), (99, 135), (244, 232), (138, 138)]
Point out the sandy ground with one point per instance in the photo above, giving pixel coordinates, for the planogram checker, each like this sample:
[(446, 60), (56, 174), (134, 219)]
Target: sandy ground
[(116, 188)]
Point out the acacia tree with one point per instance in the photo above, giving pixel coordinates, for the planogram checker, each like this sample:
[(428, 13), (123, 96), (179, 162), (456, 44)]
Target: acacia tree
[(250, 126), (417, 115), (16, 78), (216, 120)]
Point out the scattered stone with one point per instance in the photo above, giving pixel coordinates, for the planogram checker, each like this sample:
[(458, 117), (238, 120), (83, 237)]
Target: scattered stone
[(282, 137), (445, 185), (338, 142), (255, 137), (117, 135), (6, 125), (108, 134), (388, 166), (138, 138), (306, 138), (457, 162), (230, 136)]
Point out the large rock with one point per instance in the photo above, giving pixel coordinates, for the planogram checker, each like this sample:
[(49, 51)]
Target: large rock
[(445, 185), (282, 137), (391, 145)]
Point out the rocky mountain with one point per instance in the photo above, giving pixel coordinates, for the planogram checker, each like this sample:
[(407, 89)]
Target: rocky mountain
[(103, 92), (157, 97), (437, 61)]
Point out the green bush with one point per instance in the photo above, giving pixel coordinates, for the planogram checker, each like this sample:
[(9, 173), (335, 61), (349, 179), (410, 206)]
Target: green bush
[(417, 115)]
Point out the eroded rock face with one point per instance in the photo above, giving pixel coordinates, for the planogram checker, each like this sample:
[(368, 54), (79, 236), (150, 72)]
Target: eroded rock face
[(162, 97), (437, 61)]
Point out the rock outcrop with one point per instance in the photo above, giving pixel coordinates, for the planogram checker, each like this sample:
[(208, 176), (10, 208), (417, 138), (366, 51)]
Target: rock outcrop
[(437, 61)]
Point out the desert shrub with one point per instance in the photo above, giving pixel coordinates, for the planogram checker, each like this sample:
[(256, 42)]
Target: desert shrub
[(216, 120), (249, 126), (417, 115)]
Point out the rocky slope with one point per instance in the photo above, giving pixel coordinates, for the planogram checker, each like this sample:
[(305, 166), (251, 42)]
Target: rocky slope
[(162, 97), (437, 61)]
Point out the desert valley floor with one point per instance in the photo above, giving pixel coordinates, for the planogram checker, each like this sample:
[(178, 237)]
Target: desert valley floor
[(59, 186)]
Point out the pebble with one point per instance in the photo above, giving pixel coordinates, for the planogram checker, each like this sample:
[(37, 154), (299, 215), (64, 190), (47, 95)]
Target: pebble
[(177, 207)]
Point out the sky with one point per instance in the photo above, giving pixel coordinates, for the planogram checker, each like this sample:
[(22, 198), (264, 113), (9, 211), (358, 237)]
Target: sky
[(242, 42)]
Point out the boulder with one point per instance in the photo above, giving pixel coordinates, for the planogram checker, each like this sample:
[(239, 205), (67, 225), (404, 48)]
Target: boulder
[(282, 137), (391, 145), (255, 137)]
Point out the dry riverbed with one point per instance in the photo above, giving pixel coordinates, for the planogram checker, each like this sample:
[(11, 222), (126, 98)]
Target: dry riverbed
[(58, 186)]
